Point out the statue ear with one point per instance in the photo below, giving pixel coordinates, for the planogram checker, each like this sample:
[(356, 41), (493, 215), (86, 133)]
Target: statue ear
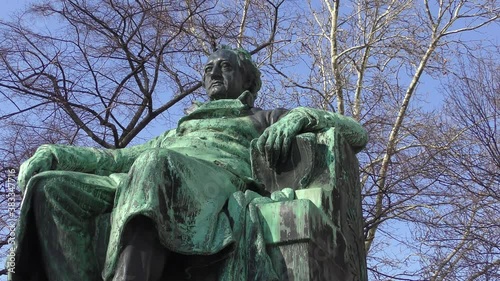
[(247, 84)]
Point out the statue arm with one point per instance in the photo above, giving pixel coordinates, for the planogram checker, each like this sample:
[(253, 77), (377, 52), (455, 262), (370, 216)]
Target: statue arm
[(100, 161), (88, 160), (83, 159), (317, 120), (275, 141)]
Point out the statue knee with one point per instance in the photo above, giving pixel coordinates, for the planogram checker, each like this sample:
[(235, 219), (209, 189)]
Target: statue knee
[(48, 207), (157, 162), (152, 157), (45, 192), (57, 198)]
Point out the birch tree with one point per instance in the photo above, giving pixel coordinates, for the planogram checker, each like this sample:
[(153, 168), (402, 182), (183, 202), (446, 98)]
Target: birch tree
[(366, 59)]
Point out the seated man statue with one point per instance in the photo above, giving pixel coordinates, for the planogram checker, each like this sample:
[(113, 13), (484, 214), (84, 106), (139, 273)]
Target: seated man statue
[(168, 198)]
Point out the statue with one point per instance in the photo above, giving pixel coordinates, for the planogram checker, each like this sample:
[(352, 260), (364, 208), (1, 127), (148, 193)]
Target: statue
[(177, 202)]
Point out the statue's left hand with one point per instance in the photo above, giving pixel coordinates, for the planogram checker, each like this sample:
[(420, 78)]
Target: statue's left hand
[(275, 142), (43, 160)]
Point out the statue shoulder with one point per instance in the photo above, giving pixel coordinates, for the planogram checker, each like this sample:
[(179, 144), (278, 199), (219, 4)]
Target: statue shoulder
[(268, 117), (265, 118)]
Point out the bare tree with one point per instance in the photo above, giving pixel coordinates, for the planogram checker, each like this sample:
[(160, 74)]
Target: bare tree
[(463, 229), (97, 73), (367, 59)]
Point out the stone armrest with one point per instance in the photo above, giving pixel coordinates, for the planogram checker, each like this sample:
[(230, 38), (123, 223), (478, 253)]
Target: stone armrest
[(322, 168), (321, 230)]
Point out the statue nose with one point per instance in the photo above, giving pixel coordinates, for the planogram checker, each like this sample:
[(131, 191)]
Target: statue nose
[(216, 72)]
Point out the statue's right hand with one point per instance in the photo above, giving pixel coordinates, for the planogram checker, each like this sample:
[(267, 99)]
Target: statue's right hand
[(43, 160)]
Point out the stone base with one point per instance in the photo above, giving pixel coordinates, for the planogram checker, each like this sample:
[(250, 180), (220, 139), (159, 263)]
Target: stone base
[(302, 242)]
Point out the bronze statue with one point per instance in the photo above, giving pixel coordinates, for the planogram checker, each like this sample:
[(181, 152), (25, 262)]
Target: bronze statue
[(168, 198)]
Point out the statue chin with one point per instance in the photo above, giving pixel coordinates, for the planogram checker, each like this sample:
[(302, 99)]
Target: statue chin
[(219, 92), (218, 95)]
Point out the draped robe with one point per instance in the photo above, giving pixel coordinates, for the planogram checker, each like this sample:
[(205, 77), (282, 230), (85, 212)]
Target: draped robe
[(194, 182)]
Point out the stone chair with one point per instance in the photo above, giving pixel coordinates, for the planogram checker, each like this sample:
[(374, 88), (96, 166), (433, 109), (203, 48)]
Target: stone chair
[(318, 235)]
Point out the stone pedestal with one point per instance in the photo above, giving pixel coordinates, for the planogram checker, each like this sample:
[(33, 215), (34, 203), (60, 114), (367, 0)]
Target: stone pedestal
[(302, 242)]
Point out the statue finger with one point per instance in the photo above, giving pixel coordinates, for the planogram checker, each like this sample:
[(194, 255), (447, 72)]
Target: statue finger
[(269, 147), (285, 149), (278, 144), (261, 142)]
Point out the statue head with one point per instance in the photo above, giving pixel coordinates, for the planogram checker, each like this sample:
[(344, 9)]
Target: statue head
[(230, 72)]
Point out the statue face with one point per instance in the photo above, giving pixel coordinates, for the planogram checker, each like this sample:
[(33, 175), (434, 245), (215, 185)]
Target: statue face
[(223, 78)]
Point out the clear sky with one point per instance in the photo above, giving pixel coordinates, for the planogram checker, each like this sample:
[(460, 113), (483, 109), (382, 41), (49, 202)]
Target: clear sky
[(9, 6)]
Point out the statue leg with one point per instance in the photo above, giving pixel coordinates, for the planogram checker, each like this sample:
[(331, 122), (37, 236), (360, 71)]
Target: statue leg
[(143, 256), (184, 198), (65, 206)]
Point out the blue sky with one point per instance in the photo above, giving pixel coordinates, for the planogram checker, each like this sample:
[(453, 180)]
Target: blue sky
[(8, 6)]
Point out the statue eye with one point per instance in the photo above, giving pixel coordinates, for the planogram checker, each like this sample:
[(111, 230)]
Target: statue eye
[(226, 66), (208, 69)]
